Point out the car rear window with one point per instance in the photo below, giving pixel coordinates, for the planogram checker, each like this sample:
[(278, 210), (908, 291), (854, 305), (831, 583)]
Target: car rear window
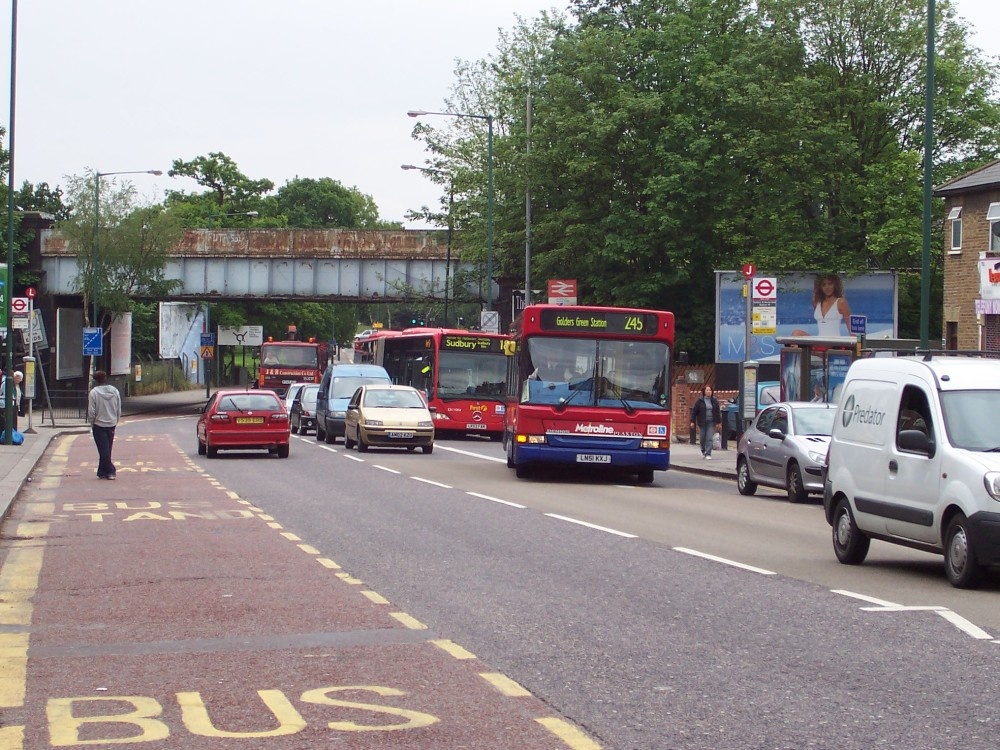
[(249, 402)]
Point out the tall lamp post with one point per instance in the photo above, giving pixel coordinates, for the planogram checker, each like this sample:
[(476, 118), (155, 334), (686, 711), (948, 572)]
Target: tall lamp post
[(489, 190), (8, 404), (451, 203)]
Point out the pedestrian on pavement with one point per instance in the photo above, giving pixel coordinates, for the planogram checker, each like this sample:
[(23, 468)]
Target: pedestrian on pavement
[(707, 415), (16, 379), (104, 409)]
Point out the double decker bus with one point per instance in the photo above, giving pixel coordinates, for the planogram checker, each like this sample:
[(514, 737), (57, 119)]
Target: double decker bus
[(462, 373), (285, 362), (590, 386)]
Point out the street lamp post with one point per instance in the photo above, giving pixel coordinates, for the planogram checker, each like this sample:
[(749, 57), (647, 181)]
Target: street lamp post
[(451, 203), (96, 254), (489, 190), (8, 404)]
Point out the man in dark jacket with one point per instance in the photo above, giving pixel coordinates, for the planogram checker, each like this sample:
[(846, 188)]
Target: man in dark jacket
[(707, 415)]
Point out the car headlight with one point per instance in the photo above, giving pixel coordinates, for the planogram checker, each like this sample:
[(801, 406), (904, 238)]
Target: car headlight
[(425, 423), (339, 414), (819, 458), (373, 423), (992, 482)]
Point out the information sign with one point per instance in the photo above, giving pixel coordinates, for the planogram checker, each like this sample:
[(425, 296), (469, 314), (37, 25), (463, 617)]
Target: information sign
[(93, 342)]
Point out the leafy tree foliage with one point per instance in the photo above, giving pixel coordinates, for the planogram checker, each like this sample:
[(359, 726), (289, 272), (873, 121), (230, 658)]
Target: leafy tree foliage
[(324, 203), (673, 137)]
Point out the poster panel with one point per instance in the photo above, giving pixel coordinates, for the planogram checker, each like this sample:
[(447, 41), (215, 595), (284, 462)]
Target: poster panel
[(873, 295), (121, 344)]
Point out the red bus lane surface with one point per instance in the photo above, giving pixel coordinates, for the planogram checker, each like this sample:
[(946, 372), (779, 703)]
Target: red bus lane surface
[(162, 610)]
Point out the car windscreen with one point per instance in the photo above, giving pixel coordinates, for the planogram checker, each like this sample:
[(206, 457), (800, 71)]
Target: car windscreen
[(970, 419), (393, 399), (344, 387), (813, 421), (248, 402)]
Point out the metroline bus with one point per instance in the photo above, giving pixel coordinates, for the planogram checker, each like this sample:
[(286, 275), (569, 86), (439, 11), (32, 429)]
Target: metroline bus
[(462, 373), (590, 387)]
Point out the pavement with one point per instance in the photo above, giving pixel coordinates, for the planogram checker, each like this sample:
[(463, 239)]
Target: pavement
[(17, 462)]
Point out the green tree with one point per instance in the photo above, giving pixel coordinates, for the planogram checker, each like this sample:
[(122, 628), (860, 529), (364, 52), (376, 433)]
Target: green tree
[(324, 203), (122, 256), (229, 187)]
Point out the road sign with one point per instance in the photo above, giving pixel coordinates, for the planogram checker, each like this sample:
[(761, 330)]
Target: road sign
[(749, 269), (30, 292), (562, 291), (19, 306), (858, 324), (489, 321), (765, 289), (207, 352), (93, 342), (208, 339)]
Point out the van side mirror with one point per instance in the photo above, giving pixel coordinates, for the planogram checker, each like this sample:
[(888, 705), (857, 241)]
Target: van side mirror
[(915, 441)]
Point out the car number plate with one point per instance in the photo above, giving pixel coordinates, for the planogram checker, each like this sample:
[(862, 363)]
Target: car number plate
[(475, 426), (400, 435), (249, 420), (593, 458)]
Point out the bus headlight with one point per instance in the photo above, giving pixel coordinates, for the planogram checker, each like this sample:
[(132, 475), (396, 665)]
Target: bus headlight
[(655, 444), (530, 439)]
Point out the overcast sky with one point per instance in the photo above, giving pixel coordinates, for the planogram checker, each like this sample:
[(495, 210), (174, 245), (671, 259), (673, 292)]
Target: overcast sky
[(297, 88)]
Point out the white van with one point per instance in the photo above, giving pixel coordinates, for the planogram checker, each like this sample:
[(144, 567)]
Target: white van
[(914, 459)]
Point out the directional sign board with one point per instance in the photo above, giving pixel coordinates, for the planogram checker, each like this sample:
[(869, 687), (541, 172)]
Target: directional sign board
[(93, 342)]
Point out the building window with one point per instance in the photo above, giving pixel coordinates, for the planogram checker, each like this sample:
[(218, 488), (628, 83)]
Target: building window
[(993, 217), (955, 217), (951, 336)]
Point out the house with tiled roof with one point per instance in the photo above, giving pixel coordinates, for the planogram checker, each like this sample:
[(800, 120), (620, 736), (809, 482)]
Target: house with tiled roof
[(972, 260)]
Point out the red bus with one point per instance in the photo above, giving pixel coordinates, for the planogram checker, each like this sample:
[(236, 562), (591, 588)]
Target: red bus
[(285, 362), (364, 345), (590, 387), (462, 373)]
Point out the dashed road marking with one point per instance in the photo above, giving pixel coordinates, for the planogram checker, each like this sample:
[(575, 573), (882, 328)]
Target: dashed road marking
[(725, 561), (592, 526), (406, 620), (497, 500), (452, 648), (505, 685)]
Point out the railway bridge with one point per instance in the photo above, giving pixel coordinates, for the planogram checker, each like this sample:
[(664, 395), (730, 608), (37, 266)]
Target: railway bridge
[(322, 265)]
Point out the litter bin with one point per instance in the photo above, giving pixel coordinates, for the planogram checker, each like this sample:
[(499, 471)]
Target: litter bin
[(731, 422)]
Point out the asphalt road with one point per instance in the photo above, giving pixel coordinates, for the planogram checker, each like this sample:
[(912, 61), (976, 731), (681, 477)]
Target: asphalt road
[(674, 616)]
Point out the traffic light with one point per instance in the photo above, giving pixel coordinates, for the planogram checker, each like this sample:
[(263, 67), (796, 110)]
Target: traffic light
[(413, 321)]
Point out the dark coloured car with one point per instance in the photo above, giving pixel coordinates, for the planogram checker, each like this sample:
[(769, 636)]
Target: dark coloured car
[(786, 447), (243, 420), (303, 412)]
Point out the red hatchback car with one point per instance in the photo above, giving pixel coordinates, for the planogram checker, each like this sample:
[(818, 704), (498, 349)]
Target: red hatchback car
[(243, 419)]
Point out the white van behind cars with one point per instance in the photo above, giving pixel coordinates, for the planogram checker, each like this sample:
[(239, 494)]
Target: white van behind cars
[(914, 459)]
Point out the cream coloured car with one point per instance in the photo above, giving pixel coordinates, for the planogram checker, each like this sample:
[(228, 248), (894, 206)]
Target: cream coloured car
[(388, 416)]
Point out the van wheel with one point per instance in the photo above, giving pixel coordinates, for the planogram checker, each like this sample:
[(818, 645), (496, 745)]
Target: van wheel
[(964, 571), (793, 483), (320, 433), (849, 542), (744, 484)]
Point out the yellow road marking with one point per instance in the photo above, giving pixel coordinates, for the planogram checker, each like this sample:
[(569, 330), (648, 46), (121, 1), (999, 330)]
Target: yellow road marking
[(308, 549), (375, 597), (411, 622), (569, 734), (326, 562), (505, 685), (454, 649), (348, 578), (290, 536)]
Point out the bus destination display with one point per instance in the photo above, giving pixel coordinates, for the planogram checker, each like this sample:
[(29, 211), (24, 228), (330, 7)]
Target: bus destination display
[(470, 343), (597, 321)]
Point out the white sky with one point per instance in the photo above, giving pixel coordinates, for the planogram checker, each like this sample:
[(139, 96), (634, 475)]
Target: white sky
[(307, 88)]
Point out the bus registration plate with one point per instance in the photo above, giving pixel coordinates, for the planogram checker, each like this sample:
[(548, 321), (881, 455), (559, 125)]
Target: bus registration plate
[(475, 426), (593, 458), (400, 435)]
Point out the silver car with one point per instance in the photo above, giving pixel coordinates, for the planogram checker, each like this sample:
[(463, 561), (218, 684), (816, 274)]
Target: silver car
[(785, 447)]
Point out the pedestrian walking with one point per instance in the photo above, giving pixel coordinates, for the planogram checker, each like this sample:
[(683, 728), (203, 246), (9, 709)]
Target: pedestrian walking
[(104, 409), (707, 416)]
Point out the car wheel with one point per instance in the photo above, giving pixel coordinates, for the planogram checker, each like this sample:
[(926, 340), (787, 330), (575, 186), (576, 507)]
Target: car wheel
[(427, 448), (210, 451), (960, 563), (348, 443), (849, 542), (201, 448), (282, 451), (645, 476), (744, 483), (362, 445), (294, 429), (793, 483)]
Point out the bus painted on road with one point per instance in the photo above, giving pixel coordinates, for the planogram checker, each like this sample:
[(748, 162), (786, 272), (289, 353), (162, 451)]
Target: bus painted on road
[(590, 387), (462, 373), (285, 362)]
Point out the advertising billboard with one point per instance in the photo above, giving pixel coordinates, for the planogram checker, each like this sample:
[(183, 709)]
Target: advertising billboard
[(803, 310)]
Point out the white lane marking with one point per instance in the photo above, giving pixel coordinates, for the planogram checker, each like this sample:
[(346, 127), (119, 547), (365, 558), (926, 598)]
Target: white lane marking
[(954, 618), (328, 448), (864, 598), (591, 525), (725, 561), (354, 458), (438, 446), (497, 500), (436, 484), (386, 468)]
